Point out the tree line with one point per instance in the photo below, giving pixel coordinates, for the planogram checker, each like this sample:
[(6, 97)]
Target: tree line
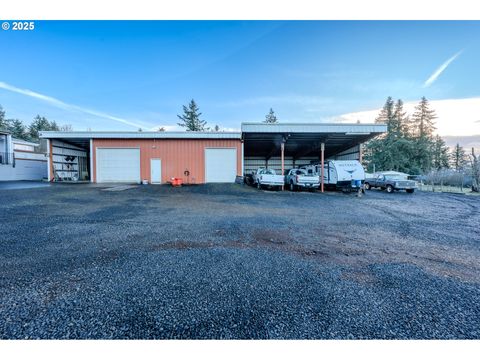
[(32, 131), (410, 145), (190, 119)]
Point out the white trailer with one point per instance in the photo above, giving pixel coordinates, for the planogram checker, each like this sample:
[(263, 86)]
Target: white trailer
[(340, 174)]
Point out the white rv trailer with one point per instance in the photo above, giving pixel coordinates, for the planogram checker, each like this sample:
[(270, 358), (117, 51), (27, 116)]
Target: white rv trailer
[(340, 174)]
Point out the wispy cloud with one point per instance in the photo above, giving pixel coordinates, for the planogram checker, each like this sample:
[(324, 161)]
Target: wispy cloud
[(440, 69), (62, 105)]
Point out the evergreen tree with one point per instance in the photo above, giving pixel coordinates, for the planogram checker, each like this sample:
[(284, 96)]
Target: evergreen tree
[(190, 118), (422, 128), (392, 150), (217, 128), (3, 121), (458, 158), (386, 114), (271, 118), (17, 129), (400, 120), (440, 158), (40, 123), (423, 120)]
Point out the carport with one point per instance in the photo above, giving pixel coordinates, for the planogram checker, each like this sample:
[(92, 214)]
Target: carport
[(286, 145)]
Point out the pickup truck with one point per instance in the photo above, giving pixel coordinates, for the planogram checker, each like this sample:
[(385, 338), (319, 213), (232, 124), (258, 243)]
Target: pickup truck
[(299, 178), (266, 177), (390, 182)]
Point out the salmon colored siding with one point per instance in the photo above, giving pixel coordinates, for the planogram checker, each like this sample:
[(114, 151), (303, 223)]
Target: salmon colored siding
[(177, 155)]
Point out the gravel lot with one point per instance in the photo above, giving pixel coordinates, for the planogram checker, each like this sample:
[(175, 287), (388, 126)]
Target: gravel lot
[(228, 261)]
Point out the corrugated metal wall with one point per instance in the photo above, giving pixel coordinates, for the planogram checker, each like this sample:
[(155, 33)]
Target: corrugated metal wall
[(64, 169), (349, 154), (177, 155), (253, 163)]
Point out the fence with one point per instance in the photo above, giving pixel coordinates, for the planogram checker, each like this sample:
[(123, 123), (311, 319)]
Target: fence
[(446, 181)]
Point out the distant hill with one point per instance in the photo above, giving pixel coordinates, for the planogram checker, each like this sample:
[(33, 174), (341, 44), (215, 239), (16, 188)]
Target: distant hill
[(467, 142)]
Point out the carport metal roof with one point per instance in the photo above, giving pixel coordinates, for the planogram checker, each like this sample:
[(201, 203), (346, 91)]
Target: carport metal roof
[(303, 139)]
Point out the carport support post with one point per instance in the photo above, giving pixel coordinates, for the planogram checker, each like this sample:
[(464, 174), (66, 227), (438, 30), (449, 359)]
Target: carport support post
[(282, 148), (91, 161), (49, 160), (322, 151)]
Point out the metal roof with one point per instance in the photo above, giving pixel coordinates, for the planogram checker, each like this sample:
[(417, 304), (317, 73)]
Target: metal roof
[(260, 139), (24, 142), (249, 127), (139, 135), (302, 139)]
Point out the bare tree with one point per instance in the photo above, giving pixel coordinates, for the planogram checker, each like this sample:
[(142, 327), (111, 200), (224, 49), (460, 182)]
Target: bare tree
[(475, 171)]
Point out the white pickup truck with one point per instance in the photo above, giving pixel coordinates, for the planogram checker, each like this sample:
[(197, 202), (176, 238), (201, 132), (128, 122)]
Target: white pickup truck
[(296, 179), (265, 177)]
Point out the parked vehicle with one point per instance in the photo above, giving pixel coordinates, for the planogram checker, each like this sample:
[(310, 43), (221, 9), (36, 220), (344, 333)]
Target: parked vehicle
[(345, 175), (299, 178), (390, 181), (267, 178)]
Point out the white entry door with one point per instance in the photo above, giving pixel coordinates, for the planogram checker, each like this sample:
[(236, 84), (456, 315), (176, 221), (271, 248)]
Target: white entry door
[(220, 165), (155, 171)]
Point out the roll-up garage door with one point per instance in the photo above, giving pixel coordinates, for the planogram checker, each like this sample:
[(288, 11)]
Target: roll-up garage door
[(220, 165), (118, 165)]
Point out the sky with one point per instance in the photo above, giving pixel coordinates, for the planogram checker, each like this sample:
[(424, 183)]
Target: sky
[(123, 75)]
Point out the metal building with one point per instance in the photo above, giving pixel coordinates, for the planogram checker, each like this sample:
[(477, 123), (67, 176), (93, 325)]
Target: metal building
[(157, 157), (200, 157)]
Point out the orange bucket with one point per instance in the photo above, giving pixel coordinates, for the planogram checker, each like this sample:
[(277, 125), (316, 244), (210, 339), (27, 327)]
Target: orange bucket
[(177, 181)]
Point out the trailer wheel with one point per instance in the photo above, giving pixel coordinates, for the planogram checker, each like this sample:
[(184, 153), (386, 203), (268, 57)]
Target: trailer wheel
[(367, 186), (389, 189)]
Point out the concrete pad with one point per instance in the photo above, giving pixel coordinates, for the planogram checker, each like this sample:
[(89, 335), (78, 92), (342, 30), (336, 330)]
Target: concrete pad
[(120, 188), (15, 185)]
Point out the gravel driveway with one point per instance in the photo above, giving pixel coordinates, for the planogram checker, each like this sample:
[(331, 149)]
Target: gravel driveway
[(228, 261)]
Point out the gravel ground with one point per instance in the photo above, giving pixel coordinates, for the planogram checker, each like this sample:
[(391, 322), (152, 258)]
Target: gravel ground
[(228, 261)]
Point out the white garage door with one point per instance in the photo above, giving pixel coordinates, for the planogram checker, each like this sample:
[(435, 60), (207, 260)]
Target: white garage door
[(220, 165), (118, 165)]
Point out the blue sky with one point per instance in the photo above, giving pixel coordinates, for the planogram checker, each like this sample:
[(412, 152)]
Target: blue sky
[(144, 71)]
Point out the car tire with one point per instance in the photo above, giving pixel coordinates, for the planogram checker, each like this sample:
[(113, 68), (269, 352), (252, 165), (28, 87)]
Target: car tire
[(410, 191), (367, 186), (389, 189)]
